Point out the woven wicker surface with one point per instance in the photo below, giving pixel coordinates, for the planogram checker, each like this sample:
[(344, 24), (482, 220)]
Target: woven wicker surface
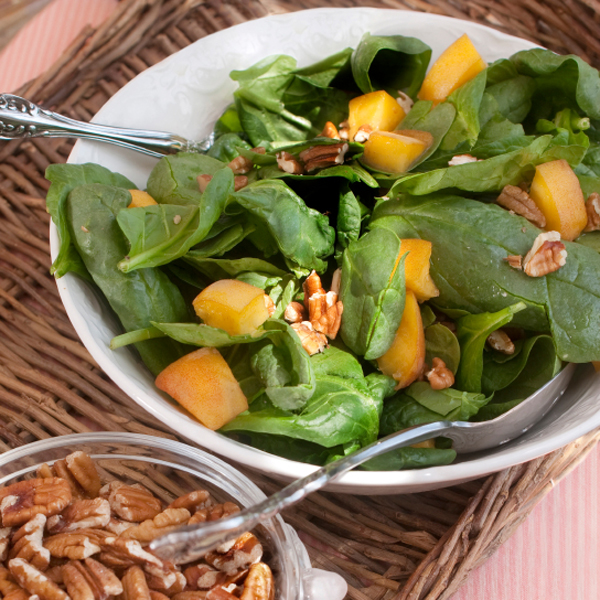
[(419, 546)]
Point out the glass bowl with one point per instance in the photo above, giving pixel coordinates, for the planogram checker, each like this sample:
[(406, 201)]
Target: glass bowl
[(170, 469)]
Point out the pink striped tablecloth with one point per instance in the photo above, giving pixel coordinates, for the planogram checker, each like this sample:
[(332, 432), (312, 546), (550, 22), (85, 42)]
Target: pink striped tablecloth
[(555, 554)]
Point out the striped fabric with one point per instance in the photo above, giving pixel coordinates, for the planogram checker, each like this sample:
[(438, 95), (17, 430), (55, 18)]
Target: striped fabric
[(555, 554)]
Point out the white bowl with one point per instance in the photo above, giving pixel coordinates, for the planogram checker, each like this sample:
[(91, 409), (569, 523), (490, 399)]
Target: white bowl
[(185, 94)]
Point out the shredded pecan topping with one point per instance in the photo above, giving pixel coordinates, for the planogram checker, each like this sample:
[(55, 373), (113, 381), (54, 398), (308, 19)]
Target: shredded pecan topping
[(592, 207), (548, 254), (288, 163), (330, 131), (520, 202), (324, 308), (500, 341), (440, 376)]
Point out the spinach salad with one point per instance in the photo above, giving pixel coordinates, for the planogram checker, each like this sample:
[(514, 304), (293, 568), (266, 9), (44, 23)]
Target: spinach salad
[(288, 197)]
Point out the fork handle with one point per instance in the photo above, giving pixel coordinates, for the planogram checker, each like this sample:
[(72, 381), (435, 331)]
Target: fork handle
[(20, 119)]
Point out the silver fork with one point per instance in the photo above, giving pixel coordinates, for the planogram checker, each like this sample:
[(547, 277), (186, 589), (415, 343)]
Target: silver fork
[(20, 118)]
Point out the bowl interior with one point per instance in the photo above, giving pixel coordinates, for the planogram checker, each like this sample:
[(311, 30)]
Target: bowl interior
[(185, 94)]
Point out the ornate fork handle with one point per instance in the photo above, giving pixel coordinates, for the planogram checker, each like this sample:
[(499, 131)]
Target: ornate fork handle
[(20, 118)]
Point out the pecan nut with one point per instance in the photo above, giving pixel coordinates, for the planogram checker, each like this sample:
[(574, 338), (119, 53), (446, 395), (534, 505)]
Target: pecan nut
[(295, 313), (193, 501), (84, 470), (319, 157), (21, 501), (363, 133), (9, 588), (34, 581), (75, 546), (548, 254), (131, 502), (28, 543), (520, 202), (259, 584), (462, 159), (240, 165), (161, 524), (324, 308), (245, 552), (312, 341), (135, 586), (440, 376), (592, 207), (288, 163), (515, 261), (81, 514), (330, 131), (212, 513), (500, 341)]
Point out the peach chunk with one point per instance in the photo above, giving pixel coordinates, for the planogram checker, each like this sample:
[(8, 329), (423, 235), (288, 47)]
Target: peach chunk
[(139, 198), (395, 152), (234, 306), (459, 63), (378, 110), (416, 268), (203, 384), (405, 359), (556, 191)]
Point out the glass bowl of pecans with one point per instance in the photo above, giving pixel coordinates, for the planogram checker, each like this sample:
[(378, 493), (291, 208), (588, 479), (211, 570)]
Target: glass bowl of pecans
[(79, 511)]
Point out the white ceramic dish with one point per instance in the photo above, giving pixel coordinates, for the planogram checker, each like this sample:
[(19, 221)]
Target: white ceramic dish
[(185, 94)]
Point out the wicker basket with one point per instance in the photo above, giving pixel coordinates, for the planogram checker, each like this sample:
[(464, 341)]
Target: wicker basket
[(419, 546)]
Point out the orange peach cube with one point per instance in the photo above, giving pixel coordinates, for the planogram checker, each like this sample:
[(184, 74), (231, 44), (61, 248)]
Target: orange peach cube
[(234, 306), (204, 385), (378, 110), (405, 359), (139, 198), (395, 152), (556, 191), (416, 268), (459, 63)]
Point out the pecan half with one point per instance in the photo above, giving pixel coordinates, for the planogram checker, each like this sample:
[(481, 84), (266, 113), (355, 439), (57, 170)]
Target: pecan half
[(193, 501), (548, 254), (21, 501), (324, 308), (34, 581), (213, 513), (135, 586), (162, 523), (259, 584), (312, 341), (440, 377), (119, 552), (520, 202), (81, 514), (61, 470), (246, 551), (76, 582), (318, 157), (5, 533), (203, 577), (131, 502), (220, 593), (287, 163), (75, 546), (500, 341), (28, 543), (330, 131), (592, 207), (9, 588), (84, 470)]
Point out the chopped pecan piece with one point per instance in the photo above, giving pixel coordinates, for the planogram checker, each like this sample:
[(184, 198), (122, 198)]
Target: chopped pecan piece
[(405, 101), (295, 312), (131, 502), (269, 304), (592, 206), (220, 593), (363, 134), (239, 182), (213, 513), (515, 261), (84, 470), (287, 163), (203, 181), (246, 551), (312, 341), (440, 377), (44, 471), (162, 523), (28, 543), (548, 254), (259, 585), (81, 514), (324, 308), (34, 581), (461, 159), (520, 202), (318, 157), (21, 501), (500, 341), (135, 586), (259, 150), (117, 527), (240, 165), (119, 552), (5, 533), (193, 501), (330, 131)]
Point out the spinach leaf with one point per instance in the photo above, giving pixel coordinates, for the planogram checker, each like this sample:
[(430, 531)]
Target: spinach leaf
[(392, 63), (174, 178), (340, 411), (491, 174), (138, 298), (349, 217), (64, 179), (470, 242), (353, 172), (529, 370), (227, 147), (513, 96), (222, 238), (440, 342), (161, 233), (372, 292), (472, 332), (224, 268), (302, 234), (199, 334)]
